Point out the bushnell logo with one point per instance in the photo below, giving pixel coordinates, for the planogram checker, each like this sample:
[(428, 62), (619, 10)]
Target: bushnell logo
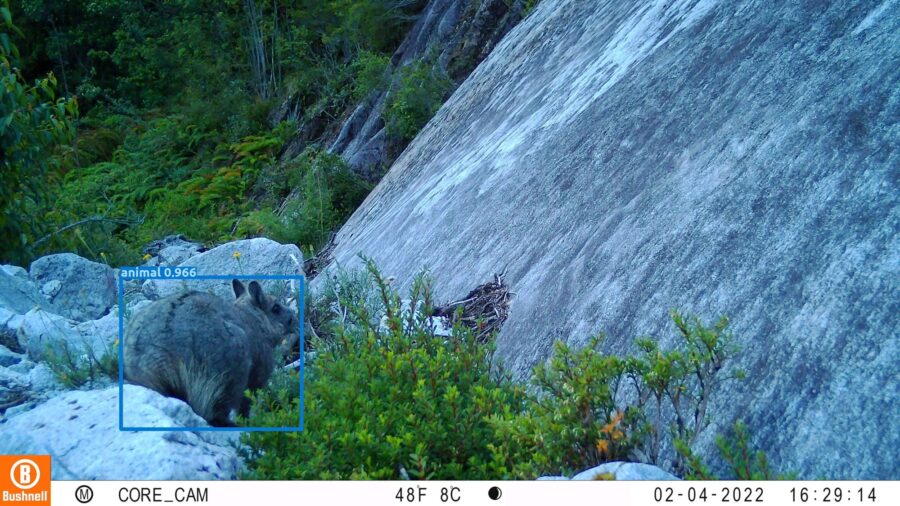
[(25, 479)]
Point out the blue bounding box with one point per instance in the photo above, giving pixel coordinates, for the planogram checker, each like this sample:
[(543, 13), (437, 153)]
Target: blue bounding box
[(190, 274)]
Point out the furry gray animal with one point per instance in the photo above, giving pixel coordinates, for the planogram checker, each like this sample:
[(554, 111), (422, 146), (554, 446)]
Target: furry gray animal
[(206, 351)]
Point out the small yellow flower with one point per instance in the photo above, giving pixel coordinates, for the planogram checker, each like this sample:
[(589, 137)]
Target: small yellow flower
[(147, 257), (236, 255)]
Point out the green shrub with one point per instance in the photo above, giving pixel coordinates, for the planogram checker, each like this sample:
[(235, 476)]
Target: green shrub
[(385, 396), (370, 73), (332, 310), (742, 462), (419, 94), (328, 193), (78, 366), (387, 402), (591, 408), (168, 176), (572, 421)]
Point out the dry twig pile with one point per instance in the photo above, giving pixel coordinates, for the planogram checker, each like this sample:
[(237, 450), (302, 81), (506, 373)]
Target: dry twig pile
[(483, 310)]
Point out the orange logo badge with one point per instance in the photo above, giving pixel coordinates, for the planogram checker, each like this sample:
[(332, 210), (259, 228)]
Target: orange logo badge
[(25, 479)]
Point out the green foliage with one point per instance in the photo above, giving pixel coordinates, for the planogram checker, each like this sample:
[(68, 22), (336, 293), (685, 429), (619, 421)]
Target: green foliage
[(328, 193), (385, 396), (77, 367), (387, 401), (680, 381), (419, 94), (33, 122), (371, 72), (527, 5), (742, 462), (176, 137), (335, 307), (579, 417), (573, 422)]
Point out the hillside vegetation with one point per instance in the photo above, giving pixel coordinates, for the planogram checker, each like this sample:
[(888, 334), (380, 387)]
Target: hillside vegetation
[(124, 121)]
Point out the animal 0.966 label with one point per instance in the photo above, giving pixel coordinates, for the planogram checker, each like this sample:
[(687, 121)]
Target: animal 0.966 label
[(158, 272)]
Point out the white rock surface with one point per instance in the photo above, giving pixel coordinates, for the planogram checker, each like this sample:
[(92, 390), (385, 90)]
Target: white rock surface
[(42, 333), (618, 471), (80, 430), (10, 322), (9, 357), (625, 471)]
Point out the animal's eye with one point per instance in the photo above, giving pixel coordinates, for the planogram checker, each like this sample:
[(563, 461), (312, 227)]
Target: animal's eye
[(276, 308)]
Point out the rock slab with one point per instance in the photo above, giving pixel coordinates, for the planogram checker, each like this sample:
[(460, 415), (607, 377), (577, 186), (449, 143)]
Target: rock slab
[(620, 158), (80, 431)]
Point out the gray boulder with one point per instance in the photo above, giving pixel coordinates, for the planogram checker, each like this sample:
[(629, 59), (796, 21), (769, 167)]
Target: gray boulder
[(15, 270), (80, 430), (9, 357), (47, 336), (171, 250), (81, 289), (256, 256), (737, 157), (24, 385), (618, 471), (102, 334), (459, 34), (10, 322), (19, 295), (43, 381), (15, 389), (42, 334)]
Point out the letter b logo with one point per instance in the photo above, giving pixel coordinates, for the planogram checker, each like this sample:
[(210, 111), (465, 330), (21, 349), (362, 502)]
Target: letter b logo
[(25, 474)]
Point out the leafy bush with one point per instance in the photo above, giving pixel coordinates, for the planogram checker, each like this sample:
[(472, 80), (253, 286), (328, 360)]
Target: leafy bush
[(742, 462), (168, 176), (328, 193), (335, 309), (420, 93), (573, 421), (387, 402), (386, 398), (590, 408), (370, 70), (177, 137)]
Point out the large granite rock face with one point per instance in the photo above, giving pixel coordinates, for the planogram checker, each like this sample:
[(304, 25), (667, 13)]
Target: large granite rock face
[(620, 158), (459, 34)]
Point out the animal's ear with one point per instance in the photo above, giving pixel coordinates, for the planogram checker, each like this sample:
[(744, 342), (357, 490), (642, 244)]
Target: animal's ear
[(238, 288), (259, 297)]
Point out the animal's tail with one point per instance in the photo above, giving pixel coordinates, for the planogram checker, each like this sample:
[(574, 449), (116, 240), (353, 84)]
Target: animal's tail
[(203, 389)]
